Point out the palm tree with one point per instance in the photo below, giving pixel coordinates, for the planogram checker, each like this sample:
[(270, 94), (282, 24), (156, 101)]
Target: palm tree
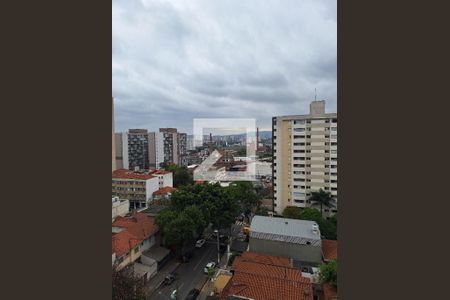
[(323, 198)]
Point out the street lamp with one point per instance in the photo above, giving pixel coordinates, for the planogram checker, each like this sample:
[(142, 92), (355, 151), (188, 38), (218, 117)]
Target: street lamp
[(218, 247)]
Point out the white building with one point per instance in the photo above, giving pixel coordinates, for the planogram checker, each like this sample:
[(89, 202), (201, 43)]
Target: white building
[(304, 156), (121, 141), (120, 207)]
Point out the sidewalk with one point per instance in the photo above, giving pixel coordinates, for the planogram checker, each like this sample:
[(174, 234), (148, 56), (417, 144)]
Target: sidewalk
[(156, 281)]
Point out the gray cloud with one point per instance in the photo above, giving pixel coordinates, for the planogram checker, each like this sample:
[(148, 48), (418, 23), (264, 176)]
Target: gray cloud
[(173, 61)]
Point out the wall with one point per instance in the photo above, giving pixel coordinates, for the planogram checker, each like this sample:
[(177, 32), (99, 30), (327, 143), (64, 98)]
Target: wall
[(151, 186), (130, 258), (121, 209), (148, 243), (306, 253)]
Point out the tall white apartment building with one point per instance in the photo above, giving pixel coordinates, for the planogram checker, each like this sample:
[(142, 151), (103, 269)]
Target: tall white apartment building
[(304, 157)]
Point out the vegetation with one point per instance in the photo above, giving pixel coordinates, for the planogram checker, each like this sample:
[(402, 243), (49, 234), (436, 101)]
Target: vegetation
[(262, 211), (194, 207), (181, 175), (245, 194), (322, 198), (328, 228), (328, 273), (126, 286)]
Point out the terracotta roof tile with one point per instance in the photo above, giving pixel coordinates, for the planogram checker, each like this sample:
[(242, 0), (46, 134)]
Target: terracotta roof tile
[(267, 277), (329, 249), (127, 174), (137, 228), (164, 190)]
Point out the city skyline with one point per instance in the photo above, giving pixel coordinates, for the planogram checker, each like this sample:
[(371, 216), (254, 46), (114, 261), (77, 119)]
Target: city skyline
[(174, 61)]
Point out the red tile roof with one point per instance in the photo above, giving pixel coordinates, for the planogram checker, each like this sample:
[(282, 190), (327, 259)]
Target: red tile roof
[(329, 292), (164, 190), (329, 249), (122, 242), (267, 277), (160, 172), (127, 174), (138, 228)]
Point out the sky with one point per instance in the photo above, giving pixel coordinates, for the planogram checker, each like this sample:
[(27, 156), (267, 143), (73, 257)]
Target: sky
[(173, 61)]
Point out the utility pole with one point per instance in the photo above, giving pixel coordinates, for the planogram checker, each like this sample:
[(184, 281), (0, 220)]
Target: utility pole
[(218, 247)]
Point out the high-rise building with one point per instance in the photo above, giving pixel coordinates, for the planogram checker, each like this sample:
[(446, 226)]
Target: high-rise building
[(304, 157), (156, 149), (138, 156), (113, 139), (122, 150), (174, 146)]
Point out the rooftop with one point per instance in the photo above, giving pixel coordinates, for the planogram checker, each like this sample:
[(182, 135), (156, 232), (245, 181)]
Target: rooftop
[(164, 190), (329, 249), (283, 227), (258, 276), (127, 174)]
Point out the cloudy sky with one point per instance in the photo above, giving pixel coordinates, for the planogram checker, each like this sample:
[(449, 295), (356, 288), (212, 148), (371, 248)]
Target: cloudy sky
[(176, 60)]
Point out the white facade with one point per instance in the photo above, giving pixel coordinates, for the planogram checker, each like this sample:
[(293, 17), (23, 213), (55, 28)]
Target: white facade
[(120, 207), (159, 149), (151, 186), (305, 157)]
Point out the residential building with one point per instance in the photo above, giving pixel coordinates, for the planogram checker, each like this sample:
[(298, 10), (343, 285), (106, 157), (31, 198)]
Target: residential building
[(174, 142), (138, 150), (132, 235), (304, 157), (138, 186), (163, 193), (120, 207), (299, 240), (113, 139), (122, 150), (259, 276), (156, 149)]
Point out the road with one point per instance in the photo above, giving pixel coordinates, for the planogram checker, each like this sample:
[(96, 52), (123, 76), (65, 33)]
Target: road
[(190, 275)]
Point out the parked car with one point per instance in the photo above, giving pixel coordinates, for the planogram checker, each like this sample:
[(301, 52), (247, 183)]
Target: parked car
[(193, 294), (200, 243), (210, 265), (169, 278)]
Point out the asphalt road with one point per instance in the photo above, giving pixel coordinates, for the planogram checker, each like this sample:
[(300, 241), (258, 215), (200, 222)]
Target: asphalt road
[(190, 275)]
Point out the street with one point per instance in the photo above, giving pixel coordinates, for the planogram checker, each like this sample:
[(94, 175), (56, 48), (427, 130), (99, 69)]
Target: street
[(190, 275)]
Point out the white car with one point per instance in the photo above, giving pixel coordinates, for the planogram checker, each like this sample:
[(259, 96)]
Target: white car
[(210, 265), (200, 243)]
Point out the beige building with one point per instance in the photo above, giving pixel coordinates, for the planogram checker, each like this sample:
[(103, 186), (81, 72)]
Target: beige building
[(113, 139), (304, 157)]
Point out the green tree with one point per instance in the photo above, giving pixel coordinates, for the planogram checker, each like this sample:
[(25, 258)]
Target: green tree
[(292, 212), (181, 175), (262, 211), (322, 198), (311, 214), (196, 215), (328, 273), (179, 231), (245, 194)]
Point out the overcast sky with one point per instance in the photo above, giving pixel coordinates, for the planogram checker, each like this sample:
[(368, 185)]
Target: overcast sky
[(176, 60)]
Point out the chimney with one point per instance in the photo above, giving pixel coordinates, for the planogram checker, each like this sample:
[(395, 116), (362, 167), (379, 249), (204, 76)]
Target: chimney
[(210, 143)]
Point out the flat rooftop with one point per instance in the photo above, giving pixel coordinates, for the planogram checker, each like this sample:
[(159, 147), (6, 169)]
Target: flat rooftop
[(284, 226)]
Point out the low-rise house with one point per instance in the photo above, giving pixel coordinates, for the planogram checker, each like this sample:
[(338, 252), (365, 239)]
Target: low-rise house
[(265, 277), (163, 193), (329, 292), (296, 239), (131, 236)]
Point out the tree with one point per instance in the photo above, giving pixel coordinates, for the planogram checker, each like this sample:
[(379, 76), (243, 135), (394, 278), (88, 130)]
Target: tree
[(181, 175), (179, 231), (262, 211), (126, 286), (311, 214), (322, 198), (292, 212), (245, 194), (328, 273), (196, 215)]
